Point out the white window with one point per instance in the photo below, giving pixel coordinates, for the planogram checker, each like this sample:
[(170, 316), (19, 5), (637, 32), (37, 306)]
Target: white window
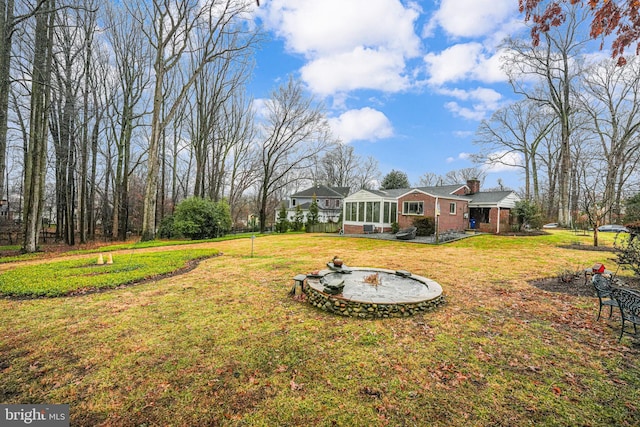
[(452, 208), (413, 208)]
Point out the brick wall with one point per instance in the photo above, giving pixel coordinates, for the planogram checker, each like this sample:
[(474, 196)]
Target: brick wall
[(492, 227), (447, 221), (453, 222), (358, 229)]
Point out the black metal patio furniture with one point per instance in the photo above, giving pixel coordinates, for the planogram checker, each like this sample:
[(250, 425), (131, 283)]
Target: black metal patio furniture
[(603, 290), (629, 303)]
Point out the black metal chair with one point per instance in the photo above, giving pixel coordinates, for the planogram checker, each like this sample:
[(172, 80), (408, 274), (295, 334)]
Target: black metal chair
[(604, 289), (629, 303)]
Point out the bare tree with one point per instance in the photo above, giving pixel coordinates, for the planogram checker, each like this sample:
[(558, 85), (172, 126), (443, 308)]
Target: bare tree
[(342, 167), (611, 99), (294, 132), (214, 92), (368, 174), (173, 29), (67, 130), (9, 21), (429, 179), (593, 202), (555, 66), (239, 132), (461, 176), (517, 129), (36, 149), (338, 166), (131, 62), (549, 164)]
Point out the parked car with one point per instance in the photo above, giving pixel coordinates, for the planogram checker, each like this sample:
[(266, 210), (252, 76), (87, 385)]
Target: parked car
[(613, 228), (551, 225)]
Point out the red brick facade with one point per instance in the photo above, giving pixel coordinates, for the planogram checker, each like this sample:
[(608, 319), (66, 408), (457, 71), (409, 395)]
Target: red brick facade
[(447, 220), (492, 225), (459, 209)]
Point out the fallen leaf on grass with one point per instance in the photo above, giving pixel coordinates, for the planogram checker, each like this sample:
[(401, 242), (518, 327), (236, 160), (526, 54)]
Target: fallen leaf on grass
[(370, 391), (294, 385)]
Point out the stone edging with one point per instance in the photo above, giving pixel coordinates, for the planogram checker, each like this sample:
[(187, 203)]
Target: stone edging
[(345, 307)]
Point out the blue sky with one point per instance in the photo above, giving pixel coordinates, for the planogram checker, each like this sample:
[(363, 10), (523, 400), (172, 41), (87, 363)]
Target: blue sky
[(407, 82)]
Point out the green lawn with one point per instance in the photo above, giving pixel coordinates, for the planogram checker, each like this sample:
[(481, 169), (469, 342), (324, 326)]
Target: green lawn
[(224, 344), (58, 278)]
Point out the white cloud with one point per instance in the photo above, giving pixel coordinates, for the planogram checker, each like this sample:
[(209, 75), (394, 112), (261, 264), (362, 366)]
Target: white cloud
[(502, 161), (330, 26), (464, 61), (463, 133), (485, 95), (452, 64), (461, 156), (489, 68), (477, 112), (360, 69), (472, 18), (355, 44), (483, 102), (259, 106), (363, 124)]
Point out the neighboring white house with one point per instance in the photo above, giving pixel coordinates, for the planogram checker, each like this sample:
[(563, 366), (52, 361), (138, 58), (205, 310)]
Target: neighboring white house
[(329, 201)]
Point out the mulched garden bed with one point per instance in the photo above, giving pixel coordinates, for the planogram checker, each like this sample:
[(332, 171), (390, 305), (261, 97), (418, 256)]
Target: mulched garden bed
[(580, 247), (575, 285)]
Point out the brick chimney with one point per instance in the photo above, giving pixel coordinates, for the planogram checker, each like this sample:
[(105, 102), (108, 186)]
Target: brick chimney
[(474, 185)]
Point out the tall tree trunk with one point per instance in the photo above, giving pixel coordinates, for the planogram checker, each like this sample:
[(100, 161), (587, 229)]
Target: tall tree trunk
[(151, 184), (84, 147), (174, 170), (107, 216), (36, 158), (564, 110), (91, 206), (163, 175), (534, 175), (6, 31)]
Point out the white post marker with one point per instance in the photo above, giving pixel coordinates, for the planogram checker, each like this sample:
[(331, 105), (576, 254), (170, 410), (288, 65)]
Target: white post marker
[(253, 237)]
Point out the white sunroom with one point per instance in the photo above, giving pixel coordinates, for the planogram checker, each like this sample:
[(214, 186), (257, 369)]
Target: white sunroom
[(376, 209)]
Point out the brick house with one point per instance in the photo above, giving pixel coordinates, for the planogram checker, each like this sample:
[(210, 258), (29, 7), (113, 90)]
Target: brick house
[(457, 207), (490, 211)]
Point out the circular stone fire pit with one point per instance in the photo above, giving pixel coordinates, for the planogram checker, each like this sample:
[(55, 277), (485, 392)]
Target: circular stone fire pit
[(372, 292)]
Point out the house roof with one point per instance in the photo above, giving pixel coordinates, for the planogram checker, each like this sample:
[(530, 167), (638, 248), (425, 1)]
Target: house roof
[(504, 199), (395, 193), (323, 191), (438, 191), (441, 190)]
